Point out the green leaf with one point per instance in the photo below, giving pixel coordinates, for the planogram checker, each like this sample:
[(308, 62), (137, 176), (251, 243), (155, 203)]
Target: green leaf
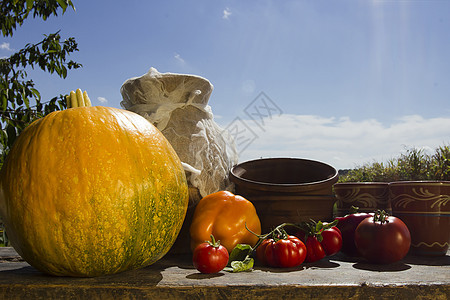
[(241, 266), (36, 93), (319, 226), (29, 5), (330, 225), (3, 102), (11, 132), (63, 4), (239, 253), (240, 259)]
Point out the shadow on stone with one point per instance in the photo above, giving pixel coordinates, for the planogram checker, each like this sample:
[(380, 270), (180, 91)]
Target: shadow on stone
[(324, 263), (279, 270), (200, 276), (428, 260), (394, 267), (25, 270)]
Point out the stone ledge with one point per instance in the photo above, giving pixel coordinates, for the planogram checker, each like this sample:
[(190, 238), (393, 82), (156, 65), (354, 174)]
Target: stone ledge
[(338, 277)]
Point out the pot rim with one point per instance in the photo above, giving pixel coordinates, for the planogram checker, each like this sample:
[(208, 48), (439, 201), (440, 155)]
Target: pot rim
[(286, 187), (420, 182), (351, 183)]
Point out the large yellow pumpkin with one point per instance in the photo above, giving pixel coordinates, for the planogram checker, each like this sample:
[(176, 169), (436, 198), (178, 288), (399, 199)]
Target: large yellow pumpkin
[(91, 191)]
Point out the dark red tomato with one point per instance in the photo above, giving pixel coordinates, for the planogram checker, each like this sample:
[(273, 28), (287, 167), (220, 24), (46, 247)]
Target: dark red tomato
[(314, 250), (332, 241), (347, 225), (210, 257), (338, 230), (284, 253), (330, 244), (382, 242)]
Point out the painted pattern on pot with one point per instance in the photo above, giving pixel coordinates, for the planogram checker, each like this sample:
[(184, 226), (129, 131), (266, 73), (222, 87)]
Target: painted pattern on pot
[(424, 206), (421, 194), (367, 196)]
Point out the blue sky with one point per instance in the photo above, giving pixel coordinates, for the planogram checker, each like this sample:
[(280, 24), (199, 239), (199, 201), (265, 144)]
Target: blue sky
[(353, 81)]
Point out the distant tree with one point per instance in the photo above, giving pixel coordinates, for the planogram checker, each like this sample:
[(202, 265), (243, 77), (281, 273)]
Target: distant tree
[(20, 101)]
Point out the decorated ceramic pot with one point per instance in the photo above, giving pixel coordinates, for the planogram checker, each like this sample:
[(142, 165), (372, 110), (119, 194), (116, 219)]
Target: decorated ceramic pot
[(424, 206), (367, 196)]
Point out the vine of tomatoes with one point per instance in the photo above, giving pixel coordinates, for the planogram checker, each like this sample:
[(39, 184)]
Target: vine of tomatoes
[(321, 239), (285, 251)]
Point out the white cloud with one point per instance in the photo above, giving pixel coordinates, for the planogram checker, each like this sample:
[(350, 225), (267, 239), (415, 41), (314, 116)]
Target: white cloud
[(226, 13), (179, 58), (102, 99), (342, 142), (5, 46)]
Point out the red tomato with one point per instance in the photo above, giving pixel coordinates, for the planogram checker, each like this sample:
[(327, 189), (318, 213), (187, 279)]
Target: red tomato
[(283, 253), (332, 241), (314, 250), (261, 250), (382, 242), (347, 225), (320, 242), (210, 257), (335, 228)]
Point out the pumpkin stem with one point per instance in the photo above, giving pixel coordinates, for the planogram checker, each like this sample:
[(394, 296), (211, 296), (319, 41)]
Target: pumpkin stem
[(78, 99)]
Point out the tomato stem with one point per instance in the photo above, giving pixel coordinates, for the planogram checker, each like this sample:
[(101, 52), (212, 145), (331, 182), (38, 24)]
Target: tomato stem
[(277, 233), (354, 209), (213, 242), (381, 216)]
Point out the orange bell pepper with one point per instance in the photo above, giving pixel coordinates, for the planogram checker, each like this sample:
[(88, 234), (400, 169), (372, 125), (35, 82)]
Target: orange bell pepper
[(225, 215)]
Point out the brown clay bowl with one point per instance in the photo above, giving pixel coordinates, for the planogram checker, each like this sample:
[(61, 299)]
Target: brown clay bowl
[(286, 189), (424, 206), (367, 196)]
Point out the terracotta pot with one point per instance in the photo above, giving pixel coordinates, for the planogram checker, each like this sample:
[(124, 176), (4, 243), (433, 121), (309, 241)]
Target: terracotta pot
[(424, 206), (367, 196), (286, 189)]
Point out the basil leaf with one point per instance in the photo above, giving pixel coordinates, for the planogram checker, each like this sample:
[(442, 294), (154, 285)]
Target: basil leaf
[(241, 266), (240, 260), (239, 253)]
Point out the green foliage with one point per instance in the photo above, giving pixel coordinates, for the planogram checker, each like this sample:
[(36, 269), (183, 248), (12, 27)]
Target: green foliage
[(3, 237), (414, 164), (13, 13), (20, 101)]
